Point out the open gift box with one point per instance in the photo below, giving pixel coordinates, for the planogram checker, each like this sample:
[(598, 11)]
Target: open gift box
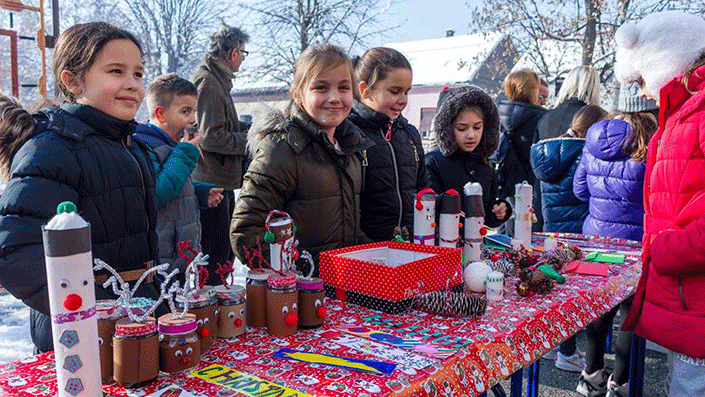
[(387, 275)]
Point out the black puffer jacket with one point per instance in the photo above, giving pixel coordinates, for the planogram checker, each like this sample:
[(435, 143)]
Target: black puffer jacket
[(297, 170), (449, 167), (82, 155), (519, 121), (556, 121), (394, 174)]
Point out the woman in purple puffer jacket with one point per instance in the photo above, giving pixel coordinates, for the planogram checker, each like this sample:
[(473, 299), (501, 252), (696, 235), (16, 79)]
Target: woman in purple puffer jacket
[(611, 176), (612, 179)]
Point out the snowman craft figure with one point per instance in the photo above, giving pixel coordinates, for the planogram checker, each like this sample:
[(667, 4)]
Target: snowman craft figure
[(474, 222), (136, 340), (425, 217), (449, 219), (282, 244), (70, 282), (202, 302), (524, 212)]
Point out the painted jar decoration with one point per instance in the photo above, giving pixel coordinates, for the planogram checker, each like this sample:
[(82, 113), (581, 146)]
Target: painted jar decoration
[(312, 310), (256, 294), (135, 352), (108, 312), (495, 286), (179, 346), (204, 306), (232, 310), (280, 236), (282, 305)]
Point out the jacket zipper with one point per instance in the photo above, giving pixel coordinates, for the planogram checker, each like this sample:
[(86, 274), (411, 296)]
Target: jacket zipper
[(396, 171), (680, 292), (125, 143)]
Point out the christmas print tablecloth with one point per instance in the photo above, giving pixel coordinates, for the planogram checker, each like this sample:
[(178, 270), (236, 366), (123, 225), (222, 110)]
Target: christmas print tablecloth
[(470, 354)]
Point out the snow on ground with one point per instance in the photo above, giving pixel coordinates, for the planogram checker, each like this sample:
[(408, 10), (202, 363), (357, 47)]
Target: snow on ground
[(15, 342)]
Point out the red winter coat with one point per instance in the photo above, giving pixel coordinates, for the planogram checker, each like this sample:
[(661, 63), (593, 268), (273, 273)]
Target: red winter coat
[(669, 304)]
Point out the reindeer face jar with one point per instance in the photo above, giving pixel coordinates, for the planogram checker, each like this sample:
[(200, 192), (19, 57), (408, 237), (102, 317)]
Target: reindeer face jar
[(204, 306), (179, 347), (231, 310), (282, 305), (312, 295)]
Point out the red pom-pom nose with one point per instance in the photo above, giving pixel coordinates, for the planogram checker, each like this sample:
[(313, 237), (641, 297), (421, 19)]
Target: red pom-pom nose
[(321, 312), (483, 231), (433, 224), (291, 319), (185, 360), (73, 302), (238, 322), (205, 332), (494, 258)]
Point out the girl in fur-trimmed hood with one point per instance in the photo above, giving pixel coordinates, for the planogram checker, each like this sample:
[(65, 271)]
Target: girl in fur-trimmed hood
[(467, 134)]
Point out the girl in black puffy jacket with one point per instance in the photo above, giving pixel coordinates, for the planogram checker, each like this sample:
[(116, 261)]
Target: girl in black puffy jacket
[(394, 169), (467, 133)]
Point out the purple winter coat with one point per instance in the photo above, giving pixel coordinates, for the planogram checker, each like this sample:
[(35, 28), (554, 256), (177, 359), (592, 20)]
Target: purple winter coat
[(612, 182)]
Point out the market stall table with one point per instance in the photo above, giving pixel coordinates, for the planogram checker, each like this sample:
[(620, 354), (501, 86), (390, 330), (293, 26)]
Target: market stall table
[(456, 355)]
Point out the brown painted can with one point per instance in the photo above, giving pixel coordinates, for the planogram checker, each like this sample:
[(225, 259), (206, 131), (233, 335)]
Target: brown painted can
[(135, 352), (179, 346), (312, 310), (232, 310), (108, 312), (256, 295), (282, 305)]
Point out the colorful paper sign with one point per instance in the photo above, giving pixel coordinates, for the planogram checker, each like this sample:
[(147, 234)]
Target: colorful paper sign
[(354, 364), (381, 351), (244, 383), (414, 344)]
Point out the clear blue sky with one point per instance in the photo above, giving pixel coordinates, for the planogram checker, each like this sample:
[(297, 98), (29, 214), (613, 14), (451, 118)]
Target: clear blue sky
[(427, 19)]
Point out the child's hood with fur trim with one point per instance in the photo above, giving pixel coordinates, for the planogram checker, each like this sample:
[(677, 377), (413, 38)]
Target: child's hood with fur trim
[(451, 107)]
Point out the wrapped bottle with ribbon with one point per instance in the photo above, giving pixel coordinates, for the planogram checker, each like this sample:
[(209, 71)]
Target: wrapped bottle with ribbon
[(71, 288)]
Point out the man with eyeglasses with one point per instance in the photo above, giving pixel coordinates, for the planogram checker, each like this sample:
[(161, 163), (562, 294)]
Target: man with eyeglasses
[(222, 149)]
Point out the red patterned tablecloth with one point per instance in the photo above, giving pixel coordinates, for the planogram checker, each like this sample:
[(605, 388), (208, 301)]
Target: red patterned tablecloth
[(513, 333)]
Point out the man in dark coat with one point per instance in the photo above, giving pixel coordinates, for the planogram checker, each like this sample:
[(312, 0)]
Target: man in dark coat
[(223, 148)]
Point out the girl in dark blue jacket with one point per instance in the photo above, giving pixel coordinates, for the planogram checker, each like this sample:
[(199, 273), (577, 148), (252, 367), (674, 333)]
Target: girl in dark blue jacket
[(82, 152)]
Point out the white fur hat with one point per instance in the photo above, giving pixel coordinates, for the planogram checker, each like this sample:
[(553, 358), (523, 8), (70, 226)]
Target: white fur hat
[(658, 48)]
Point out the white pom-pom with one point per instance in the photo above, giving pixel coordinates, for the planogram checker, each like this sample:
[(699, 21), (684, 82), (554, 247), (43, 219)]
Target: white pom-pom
[(627, 35), (474, 276), (472, 188)]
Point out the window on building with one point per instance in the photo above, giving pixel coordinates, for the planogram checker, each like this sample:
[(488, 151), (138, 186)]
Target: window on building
[(426, 119)]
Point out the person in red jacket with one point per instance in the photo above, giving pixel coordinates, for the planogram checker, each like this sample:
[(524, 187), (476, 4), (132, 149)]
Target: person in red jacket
[(665, 54)]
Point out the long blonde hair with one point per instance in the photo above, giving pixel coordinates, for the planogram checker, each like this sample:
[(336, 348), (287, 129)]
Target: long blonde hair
[(583, 84)]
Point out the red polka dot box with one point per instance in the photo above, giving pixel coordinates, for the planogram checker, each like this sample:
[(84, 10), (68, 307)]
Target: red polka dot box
[(387, 275)]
